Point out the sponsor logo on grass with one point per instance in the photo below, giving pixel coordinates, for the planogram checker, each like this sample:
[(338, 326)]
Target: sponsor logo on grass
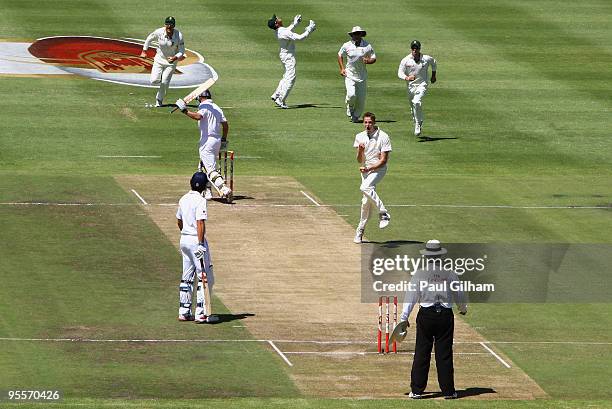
[(98, 58)]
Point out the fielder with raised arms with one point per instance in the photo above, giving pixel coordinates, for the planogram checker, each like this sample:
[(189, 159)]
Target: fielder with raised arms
[(191, 218), (373, 147), (170, 50), (286, 40), (413, 69), (213, 138)]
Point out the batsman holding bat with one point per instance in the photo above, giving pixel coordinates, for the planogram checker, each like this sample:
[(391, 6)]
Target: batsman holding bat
[(213, 138), (191, 218)]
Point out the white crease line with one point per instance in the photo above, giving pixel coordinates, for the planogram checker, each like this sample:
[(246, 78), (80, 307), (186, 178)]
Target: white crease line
[(370, 353), (128, 156), (287, 341), (310, 198), (280, 353), (140, 197), (240, 205), (495, 355)]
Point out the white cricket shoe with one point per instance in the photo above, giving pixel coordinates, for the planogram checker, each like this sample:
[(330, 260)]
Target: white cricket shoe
[(358, 236), (208, 194), (417, 128), (385, 218), (158, 103), (280, 103), (355, 119), (200, 319)]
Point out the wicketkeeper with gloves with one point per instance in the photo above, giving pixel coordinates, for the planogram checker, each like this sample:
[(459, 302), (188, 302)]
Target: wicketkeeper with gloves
[(191, 217), (286, 40)]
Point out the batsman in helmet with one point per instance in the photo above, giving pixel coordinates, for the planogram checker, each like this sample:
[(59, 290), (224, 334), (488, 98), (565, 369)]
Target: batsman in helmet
[(213, 138)]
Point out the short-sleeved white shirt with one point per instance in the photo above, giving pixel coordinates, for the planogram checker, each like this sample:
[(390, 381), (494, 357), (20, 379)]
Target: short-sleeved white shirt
[(355, 67), (191, 208), (166, 47), (376, 144), (210, 124), (419, 69)]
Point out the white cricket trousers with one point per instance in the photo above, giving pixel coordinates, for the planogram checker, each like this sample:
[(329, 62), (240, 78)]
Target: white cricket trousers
[(286, 83), (192, 269), (370, 197), (161, 74), (209, 152), (415, 95), (355, 97)]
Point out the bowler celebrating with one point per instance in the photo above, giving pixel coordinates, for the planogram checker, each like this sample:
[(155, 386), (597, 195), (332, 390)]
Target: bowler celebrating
[(373, 147)]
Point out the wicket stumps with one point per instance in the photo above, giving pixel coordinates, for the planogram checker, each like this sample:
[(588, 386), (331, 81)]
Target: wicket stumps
[(223, 165), (388, 330)]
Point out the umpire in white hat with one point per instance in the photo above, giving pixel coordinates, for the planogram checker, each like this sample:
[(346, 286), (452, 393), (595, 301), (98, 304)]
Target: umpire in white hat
[(435, 323)]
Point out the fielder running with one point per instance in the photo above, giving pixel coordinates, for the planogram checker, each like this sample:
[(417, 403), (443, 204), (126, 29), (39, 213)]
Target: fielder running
[(213, 138), (413, 69), (170, 50), (286, 40), (373, 147), (191, 217), (358, 53)]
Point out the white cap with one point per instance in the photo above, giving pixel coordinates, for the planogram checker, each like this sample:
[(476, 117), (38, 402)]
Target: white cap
[(357, 29)]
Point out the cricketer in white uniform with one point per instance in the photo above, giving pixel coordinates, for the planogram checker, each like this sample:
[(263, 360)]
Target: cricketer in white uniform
[(286, 40), (213, 137), (358, 52), (373, 147), (191, 217), (414, 70), (170, 50)]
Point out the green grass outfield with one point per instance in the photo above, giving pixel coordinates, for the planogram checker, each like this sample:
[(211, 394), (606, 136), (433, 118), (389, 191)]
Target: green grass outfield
[(525, 87)]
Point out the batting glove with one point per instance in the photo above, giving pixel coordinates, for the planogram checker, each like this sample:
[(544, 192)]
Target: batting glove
[(297, 19), (311, 26), (181, 105), (224, 144), (199, 253)]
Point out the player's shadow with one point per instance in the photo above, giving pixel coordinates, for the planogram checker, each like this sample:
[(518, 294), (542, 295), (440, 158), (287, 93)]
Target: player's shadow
[(236, 198), (435, 138), (394, 243), (461, 393), (323, 106), (231, 317)]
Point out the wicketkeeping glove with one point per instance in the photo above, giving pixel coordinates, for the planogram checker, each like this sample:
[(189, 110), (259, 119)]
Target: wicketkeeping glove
[(297, 19), (181, 104), (311, 26), (199, 253)]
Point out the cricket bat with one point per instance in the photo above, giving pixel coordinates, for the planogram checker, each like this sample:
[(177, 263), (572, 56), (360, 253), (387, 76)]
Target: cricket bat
[(202, 87), (205, 289)]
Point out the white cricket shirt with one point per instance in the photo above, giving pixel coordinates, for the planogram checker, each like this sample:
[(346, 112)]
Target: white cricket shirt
[(287, 38), (210, 124), (192, 207), (166, 46), (376, 144), (419, 69), (355, 67)]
